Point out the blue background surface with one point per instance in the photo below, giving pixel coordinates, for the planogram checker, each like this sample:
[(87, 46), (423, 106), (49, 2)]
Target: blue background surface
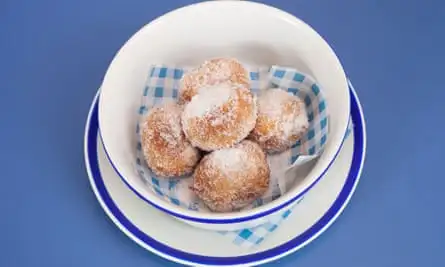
[(53, 55)]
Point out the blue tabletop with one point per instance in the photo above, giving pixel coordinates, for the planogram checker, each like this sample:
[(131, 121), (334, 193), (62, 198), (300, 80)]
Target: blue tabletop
[(53, 55)]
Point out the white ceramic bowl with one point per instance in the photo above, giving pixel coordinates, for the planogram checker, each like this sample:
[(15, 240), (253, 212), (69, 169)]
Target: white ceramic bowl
[(252, 32)]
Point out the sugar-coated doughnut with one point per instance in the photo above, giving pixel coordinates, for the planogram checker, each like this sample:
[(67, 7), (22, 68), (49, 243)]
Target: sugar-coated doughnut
[(281, 121), (165, 148), (219, 116), (212, 72), (232, 178)]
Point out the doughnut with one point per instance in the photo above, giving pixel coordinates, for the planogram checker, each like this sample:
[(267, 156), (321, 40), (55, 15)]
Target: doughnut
[(219, 116), (281, 121), (164, 146), (212, 72), (232, 178)]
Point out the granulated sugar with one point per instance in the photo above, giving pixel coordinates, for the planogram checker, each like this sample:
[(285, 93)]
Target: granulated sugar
[(272, 100), (219, 116), (275, 104), (212, 72), (208, 99), (218, 70), (231, 178), (169, 125), (231, 160), (165, 148)]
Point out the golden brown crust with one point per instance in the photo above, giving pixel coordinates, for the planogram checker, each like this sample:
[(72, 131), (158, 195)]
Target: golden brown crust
[(212, 72), (166, 150), (277, 131), (224, 187), (224, 126)]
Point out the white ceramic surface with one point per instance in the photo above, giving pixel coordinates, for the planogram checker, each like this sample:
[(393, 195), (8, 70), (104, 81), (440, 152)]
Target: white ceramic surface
[(169, 238), (254, 33)]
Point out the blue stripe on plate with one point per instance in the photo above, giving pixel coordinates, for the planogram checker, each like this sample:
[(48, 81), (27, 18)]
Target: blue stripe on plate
[(232, 220), (347, 190)]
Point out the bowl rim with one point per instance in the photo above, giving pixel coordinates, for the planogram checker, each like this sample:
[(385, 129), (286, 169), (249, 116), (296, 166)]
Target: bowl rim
[(359, 157), (238, 216), (230, 220)]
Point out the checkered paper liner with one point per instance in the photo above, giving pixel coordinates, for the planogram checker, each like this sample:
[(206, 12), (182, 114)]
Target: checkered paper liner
[(251, 237), (162, 86)]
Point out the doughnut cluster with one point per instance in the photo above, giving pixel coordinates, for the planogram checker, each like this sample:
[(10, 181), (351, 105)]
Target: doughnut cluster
[(221, 133)]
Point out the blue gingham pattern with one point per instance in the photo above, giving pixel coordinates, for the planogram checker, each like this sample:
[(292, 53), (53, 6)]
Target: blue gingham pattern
[(308, 90), (162, 86), (251, 237)]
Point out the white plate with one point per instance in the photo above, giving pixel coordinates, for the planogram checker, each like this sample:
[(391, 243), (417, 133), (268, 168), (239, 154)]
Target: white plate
[(169, 238)]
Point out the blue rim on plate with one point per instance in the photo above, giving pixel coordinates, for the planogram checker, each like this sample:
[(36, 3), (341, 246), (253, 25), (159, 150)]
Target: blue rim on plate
[(297, 242), (231, 220)]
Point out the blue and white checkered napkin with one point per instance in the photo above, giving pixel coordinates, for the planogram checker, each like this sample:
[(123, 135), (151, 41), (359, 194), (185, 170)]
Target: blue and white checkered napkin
[(162, 86), (251, 237)]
